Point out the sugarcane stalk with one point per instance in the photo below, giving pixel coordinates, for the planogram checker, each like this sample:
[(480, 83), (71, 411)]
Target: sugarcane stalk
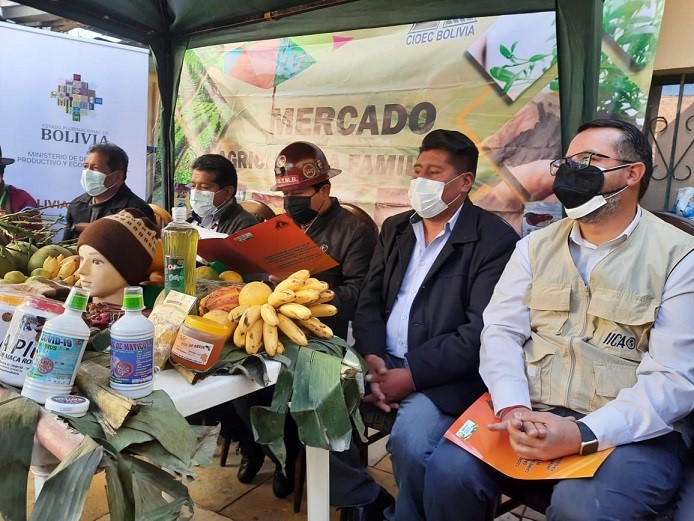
[(114, 408)]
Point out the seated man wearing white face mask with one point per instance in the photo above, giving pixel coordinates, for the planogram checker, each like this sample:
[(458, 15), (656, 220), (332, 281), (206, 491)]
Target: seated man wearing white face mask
[(588, 344), (103, 180), (213, 196), (419, 318)]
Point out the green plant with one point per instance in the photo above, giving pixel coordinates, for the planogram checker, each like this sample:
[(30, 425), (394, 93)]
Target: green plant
[(521, 70), (634, 26)]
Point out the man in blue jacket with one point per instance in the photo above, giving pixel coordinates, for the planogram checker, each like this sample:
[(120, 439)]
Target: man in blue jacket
[(419, 318)]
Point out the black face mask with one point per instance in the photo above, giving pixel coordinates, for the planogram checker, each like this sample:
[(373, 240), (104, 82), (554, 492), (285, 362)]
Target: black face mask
[(299, 208), (576, 186)]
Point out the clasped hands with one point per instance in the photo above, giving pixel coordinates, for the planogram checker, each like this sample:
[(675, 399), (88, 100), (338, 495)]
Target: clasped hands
[(539, 435), (388, 386)]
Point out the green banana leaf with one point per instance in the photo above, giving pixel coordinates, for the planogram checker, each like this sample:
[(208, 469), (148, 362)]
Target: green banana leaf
[(321, 386), (18, 419), (68, 485), (151, 485), (318, 404), (162, 421)]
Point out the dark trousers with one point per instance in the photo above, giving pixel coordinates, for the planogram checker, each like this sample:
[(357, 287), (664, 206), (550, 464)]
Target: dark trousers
[(635, 482)]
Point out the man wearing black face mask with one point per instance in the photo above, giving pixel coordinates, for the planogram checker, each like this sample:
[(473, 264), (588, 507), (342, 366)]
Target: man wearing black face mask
[(302, 174), (587, 345)]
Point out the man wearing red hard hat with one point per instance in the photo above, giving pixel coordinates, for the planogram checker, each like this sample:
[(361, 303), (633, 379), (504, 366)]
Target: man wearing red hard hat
[(302, 174)]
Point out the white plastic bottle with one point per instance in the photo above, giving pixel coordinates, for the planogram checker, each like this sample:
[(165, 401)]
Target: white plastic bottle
[(132, 351), (59, 351)]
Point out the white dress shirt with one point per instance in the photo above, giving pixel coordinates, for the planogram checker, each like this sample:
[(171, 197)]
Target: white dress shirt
[(423, 257), (664, 390)]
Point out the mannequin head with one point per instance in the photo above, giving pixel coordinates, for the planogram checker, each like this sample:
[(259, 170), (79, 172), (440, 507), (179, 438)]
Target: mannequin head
[(115, 252)]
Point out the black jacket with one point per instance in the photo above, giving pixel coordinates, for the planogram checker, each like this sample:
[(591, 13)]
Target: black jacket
[(351, 243), (82, 210), (232, 219), (446, 313)]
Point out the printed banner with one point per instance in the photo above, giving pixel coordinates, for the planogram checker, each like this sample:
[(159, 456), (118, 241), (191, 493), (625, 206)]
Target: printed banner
[(368, 97), (59, 95)]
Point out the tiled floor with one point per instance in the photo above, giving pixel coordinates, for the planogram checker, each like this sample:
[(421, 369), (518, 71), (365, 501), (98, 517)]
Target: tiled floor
[(219, 496)]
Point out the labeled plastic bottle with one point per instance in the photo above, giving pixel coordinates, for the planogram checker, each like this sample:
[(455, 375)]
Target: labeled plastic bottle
[(180, 241), (59, 351), (132, 344), (19, 344)]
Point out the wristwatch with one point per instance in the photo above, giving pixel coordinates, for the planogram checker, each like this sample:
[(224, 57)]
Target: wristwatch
[(589, 443)]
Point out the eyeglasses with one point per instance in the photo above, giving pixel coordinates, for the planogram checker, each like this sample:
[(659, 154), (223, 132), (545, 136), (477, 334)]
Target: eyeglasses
[(583, 160)]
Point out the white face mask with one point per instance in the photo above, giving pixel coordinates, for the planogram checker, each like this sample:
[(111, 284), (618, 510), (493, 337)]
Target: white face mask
[(93, 182), (593, 204), (425, 196), (201, 202)]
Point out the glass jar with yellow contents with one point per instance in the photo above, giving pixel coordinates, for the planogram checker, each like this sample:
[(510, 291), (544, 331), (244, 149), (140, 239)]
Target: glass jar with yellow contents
[(199, 343)]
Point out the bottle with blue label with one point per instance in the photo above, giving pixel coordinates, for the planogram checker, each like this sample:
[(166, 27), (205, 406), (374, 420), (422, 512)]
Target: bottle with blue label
[(59, 351), (132, 353)]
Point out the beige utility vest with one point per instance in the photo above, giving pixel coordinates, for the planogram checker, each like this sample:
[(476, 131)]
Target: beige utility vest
[(587, 341)]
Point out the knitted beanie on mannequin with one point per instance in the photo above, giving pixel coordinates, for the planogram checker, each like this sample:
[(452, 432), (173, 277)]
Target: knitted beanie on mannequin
[(127, 240)]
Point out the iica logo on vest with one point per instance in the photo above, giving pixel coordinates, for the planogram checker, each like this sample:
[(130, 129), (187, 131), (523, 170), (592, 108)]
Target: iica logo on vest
[(615, 339)]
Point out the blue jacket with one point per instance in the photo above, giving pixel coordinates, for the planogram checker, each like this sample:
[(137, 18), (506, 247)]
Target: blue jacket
[(446, 314)]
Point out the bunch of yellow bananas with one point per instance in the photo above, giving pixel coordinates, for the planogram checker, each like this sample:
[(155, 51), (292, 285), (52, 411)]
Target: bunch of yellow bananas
[(62, 269), (295, 305)]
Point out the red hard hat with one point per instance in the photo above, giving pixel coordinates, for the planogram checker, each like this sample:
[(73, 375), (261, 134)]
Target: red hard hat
[(301, 164)]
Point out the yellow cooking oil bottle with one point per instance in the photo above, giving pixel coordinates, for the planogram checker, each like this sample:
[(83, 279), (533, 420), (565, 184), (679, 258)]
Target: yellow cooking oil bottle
[(180, 241)]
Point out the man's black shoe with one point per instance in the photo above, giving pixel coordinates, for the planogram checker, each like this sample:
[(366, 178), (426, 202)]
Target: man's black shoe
[(249, 466), (374, 510), (281, 485)]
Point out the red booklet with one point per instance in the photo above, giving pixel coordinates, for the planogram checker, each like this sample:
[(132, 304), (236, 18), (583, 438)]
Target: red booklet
[(277, 246), (471, 433)]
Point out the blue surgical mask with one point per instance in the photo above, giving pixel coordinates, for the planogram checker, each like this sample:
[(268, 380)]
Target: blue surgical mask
[(202, 202), (93, 182)]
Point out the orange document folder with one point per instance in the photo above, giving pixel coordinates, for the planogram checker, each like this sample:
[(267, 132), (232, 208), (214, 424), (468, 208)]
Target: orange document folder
[(494, 448), (277, 246)]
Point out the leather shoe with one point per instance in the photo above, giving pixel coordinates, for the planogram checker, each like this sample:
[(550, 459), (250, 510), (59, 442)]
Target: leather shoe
[(282, 486), (249, 466), (374, 510)]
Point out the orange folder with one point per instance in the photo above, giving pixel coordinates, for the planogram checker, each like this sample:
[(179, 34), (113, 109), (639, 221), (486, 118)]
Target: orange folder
[(470, 432), (277, 246)]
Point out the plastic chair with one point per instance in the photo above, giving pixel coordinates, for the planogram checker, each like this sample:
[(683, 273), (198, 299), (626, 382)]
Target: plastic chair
[(261, 211)]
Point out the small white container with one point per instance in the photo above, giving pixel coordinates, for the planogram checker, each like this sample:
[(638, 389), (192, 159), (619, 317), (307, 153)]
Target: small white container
[(68, 404)]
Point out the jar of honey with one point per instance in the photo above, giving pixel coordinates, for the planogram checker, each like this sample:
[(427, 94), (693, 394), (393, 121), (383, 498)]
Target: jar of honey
[(199, 343)]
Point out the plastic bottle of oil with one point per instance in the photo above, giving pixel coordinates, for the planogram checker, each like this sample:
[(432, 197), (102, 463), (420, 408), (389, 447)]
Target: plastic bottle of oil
[(59, 351), (180, 250)]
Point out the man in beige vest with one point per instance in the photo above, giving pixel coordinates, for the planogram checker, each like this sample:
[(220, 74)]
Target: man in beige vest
[(588, 343)]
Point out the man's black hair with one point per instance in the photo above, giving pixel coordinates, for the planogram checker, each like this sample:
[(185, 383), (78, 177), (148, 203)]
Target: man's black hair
[(220, 167), (116, 158), (633, 146), (462, 150)]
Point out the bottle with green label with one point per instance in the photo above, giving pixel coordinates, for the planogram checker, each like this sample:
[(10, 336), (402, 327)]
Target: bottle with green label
[(180, 250), (59, 351)]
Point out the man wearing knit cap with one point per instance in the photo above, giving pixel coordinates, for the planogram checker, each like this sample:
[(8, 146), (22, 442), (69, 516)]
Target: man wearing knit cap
[(115, 252)]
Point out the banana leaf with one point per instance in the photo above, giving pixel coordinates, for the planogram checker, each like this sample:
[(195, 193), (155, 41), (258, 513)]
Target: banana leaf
[(18, 419), (318, 404), (119, 490), (162, 421), (323, 382), (68, 485), (152, 490)]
